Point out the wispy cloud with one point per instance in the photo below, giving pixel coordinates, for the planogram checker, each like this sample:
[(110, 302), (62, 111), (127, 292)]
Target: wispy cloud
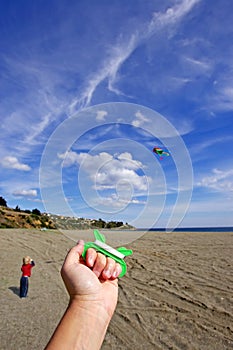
[(171, 16), (201, 66), (43, 82), (202, 148), (115, 201), (221, 99), (219, 180), (122, 51), (109, 70)]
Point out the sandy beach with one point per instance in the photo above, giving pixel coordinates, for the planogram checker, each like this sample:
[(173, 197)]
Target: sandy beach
[(177, 294)]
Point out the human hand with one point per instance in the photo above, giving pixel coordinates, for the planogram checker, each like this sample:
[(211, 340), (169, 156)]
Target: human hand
[(93, 279), (93, 288)]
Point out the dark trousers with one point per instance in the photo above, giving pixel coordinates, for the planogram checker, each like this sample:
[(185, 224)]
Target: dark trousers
[(23, 287)]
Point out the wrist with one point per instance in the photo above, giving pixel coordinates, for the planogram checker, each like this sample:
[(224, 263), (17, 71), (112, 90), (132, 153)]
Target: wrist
[(94, 309), (88, 317)]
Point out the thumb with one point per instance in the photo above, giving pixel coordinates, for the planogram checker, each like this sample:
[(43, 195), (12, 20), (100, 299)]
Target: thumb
[(75, 253)]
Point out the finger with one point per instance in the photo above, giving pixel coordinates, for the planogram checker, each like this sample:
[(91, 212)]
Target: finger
[(99, 264), (117, 271), (74, 253), (91, 256), (109, 268)]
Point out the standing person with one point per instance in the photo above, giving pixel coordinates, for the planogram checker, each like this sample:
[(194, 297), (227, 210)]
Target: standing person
[(28, 264), (93, 289)]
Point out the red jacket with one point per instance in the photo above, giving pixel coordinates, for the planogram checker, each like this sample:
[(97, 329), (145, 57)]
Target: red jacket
[(26, 269)]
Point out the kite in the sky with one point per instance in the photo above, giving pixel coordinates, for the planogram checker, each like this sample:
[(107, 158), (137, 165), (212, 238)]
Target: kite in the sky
[(160, 152)]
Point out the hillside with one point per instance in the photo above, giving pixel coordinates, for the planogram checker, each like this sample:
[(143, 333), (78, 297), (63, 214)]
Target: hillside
[(12, 218)]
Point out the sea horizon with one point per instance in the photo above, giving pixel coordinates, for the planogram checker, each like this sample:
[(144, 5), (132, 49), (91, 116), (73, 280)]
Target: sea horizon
[(191, 229)]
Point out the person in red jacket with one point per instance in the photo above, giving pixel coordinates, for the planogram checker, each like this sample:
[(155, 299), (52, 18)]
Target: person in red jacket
[(28, 264)]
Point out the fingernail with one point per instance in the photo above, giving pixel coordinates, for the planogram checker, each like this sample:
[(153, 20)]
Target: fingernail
[(91, 261), (115, 273), (107, 273)]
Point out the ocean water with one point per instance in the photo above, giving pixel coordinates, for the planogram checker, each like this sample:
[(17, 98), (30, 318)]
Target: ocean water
[(194, 229)]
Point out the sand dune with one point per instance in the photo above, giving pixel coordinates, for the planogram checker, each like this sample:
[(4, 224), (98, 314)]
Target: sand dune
[(177, 294)]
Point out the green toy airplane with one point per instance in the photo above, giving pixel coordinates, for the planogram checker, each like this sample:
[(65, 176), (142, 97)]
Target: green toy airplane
[(116, 254)]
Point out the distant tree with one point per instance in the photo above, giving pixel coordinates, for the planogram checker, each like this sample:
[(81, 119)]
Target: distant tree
[(114, 224), (36, 212), (27, 211), (17, 208), (111, 224), (3, 202), (101, 223), (119, 223), (98, 223)]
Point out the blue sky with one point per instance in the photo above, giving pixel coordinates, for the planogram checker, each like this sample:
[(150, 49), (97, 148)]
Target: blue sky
[(88, 88)]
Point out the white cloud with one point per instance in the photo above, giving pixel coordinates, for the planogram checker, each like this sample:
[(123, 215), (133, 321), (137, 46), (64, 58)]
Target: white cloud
[(127, 161), (25, 193), (221, 181), (106, 171), (13, 163), (90, 162), (101, 116), (112, 176), (140, 119), (69, 158)]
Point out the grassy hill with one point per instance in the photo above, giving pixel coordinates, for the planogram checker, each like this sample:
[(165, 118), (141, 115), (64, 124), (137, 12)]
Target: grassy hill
[(11, 218), (16, 218)]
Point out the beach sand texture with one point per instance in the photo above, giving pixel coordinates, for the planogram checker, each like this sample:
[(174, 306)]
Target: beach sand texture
[(177, 294)]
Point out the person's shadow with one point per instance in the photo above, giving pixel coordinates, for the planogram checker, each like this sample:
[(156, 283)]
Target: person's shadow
[(15, 290)]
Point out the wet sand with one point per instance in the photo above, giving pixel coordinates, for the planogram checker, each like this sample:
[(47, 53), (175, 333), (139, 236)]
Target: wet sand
[(177, 294)]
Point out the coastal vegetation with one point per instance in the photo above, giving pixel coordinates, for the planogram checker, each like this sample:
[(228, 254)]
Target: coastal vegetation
[(19, 218)]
